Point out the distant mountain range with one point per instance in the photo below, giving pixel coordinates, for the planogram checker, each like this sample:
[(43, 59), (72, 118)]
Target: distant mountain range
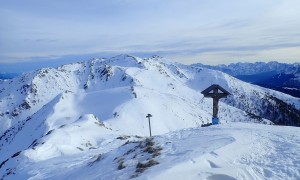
[(8, 75), (282, 77)]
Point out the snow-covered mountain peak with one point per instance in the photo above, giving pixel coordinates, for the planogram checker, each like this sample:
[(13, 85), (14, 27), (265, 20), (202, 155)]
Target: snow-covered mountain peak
[(34, 90), (245, 68), (124, 60), (100, 106), (282, 77)]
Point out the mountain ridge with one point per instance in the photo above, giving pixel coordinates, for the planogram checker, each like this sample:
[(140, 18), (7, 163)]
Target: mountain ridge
[(65, 78), (245, 68), (81, 107), (282, 77)]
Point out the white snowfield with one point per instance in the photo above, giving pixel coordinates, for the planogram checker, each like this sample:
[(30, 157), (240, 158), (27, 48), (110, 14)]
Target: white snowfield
[(230, 151), (222, 152), (88, 121)]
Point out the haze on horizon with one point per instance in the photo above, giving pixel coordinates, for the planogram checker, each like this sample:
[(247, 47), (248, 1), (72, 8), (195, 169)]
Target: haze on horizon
[(210, 32)]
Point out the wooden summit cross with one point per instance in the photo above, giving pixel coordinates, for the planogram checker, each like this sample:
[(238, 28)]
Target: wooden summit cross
[(216, 92)]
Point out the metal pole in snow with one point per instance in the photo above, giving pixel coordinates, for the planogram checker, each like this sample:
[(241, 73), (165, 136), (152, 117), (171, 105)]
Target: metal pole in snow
[(148, 116)]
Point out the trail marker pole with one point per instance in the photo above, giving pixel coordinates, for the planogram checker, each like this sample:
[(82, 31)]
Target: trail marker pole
[(149, 116)]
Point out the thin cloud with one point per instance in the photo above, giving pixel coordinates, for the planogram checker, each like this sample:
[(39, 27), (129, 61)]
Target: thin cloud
[(41, 29)]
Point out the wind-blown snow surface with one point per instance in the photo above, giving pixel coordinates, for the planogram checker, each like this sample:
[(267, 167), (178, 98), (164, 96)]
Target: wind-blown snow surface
[(82, 113), (231, 151), (222, 152)]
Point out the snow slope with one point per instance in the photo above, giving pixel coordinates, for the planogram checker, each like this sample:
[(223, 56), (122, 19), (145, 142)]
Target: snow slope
[(231, 151), (227, 151), (78, 114)]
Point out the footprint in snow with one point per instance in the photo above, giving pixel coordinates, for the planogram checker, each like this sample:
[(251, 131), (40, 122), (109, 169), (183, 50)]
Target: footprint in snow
[(214, 154), (220, 177), (212, 165)]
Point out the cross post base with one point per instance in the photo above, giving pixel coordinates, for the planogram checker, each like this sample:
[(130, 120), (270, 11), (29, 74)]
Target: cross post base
[(215, 121)]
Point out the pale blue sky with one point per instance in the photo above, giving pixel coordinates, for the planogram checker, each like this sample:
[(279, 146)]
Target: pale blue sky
[(190, 31)]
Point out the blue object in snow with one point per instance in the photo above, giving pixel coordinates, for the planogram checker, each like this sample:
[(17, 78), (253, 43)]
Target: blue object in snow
[(215, 121)]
